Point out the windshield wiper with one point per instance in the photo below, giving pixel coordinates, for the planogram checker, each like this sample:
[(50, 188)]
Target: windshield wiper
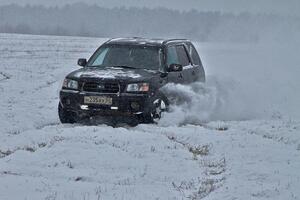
[(116, 66), (123, 66)]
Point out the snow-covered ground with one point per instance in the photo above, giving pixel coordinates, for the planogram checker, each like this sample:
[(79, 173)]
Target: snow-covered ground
[(238, 137)]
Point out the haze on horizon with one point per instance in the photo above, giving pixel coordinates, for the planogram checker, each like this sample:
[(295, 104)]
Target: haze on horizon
[(282, 7)]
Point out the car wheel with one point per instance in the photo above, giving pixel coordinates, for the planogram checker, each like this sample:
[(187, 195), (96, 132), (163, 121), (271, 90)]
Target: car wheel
[(159, 107), (65, 116)]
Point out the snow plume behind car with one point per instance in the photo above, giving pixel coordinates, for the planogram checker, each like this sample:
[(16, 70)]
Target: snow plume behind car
[(199, 103)]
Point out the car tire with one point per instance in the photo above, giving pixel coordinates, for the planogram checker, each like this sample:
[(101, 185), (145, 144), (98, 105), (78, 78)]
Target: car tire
[(158, 106), (65, 117)]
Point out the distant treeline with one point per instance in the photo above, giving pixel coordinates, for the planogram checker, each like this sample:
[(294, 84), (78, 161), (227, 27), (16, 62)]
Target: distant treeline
[(84, 20)]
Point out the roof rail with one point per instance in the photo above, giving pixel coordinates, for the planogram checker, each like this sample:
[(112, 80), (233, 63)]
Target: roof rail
[(109, 40), (171, 40)]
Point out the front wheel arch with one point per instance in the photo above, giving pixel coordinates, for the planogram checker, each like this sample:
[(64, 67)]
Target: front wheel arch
[(65, 117)]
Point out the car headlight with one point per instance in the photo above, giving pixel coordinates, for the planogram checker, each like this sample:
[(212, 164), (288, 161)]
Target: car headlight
[(138, 87), (70, 84)]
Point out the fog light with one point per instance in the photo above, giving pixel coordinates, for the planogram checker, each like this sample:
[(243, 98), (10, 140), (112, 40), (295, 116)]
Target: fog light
[(135, 105), (84, 107)]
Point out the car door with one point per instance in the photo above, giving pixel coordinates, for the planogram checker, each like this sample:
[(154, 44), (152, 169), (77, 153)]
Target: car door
[(184, 60), (197, 71), (173, 58)]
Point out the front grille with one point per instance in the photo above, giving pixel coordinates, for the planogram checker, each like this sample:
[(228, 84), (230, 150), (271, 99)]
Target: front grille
[(101, 87)]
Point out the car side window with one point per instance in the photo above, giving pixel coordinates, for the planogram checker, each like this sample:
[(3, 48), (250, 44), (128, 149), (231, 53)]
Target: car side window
[(172, 57), (194, 55), (182, 55)]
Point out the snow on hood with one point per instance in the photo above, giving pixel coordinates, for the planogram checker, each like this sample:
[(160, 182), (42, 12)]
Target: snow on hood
[(106, 73)]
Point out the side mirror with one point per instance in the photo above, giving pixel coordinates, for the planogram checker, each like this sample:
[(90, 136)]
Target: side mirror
[(175, 68), (82, 62)]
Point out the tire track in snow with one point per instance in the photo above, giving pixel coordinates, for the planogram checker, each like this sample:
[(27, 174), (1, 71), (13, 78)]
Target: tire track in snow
[(31, 145), (214, 171), (4, 76)]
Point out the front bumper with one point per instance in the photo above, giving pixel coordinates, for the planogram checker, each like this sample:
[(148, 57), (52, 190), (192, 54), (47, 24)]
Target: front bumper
[(73, 101)]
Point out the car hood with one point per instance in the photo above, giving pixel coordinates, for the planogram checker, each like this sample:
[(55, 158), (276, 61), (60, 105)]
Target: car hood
[(115, 73)]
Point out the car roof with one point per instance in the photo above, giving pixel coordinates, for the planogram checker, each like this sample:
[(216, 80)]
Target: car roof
[(144, 41)]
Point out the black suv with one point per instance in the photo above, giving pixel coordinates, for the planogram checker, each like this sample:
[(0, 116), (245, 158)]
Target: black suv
[(123, 80)]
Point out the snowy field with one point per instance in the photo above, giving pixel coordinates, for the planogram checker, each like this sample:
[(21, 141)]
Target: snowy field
[(238, 137)]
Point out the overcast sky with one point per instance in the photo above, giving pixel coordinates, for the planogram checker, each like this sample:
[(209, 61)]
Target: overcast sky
[(290, 7)]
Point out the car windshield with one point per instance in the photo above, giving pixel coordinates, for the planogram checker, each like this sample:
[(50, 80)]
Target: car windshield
[(139, 57)]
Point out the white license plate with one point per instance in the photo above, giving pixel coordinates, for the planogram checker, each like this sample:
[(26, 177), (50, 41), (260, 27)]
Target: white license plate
[(97, 100)]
